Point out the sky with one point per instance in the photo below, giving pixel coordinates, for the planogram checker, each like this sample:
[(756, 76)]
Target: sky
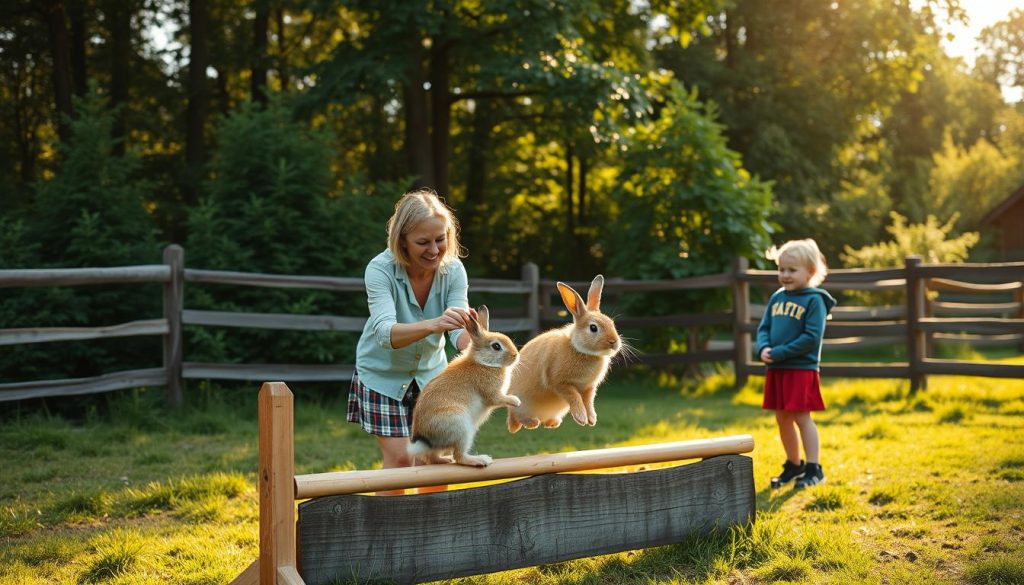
[(982, 13)]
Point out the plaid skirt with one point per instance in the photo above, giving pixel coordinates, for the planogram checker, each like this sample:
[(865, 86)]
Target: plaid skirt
[(792, 390), (378, 414)]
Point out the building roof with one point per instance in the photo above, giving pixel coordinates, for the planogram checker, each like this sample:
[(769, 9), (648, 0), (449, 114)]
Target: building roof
[(996, 212)]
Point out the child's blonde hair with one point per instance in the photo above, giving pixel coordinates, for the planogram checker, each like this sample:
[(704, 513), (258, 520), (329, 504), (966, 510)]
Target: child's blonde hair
[(805, 252), (411, 209)]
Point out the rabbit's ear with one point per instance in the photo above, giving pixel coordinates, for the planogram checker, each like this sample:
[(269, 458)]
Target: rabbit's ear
[(594, 294), (572, 299), (473, 327), (483, 317)]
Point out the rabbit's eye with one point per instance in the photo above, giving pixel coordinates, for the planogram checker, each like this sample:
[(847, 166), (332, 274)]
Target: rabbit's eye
[(593, 328), (496, 346)]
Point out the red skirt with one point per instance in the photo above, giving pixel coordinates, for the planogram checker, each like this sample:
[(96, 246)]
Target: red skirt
[(792, 390)]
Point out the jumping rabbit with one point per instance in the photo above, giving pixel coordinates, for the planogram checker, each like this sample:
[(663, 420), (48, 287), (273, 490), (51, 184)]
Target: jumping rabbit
[(561, 369), (453, 405)]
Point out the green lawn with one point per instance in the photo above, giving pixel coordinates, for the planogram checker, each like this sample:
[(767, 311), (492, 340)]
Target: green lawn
[(925, 489)]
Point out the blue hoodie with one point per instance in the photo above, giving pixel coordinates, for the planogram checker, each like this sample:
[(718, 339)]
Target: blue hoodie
[(793, 326)]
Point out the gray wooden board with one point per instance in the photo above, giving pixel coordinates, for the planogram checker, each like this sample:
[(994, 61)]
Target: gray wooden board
[(532, 521)]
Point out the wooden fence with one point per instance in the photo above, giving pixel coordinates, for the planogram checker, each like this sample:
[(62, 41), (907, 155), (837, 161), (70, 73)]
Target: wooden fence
[(918, 324)]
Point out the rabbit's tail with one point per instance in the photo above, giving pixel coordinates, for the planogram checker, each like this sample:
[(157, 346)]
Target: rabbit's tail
[(419, 445)]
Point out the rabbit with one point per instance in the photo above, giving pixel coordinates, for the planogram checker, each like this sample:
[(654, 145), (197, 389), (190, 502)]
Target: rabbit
[(561, 369), (453, 405)]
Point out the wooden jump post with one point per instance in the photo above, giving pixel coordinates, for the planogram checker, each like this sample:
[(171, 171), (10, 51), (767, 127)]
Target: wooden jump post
[(548, 516)]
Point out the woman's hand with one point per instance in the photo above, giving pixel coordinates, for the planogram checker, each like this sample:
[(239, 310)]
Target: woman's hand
[(766, 355), (453, 318)]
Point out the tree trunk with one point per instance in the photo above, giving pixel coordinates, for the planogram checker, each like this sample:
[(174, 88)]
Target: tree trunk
[(581, 191), (258, 79), (60, 48), (198, 98), (76, 13), (480, 145), (282, 56), (120, 22), (570, 214), (417, 130), (440, 113)]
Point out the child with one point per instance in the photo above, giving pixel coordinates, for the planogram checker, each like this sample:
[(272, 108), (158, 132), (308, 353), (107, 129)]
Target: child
[(789, 343)]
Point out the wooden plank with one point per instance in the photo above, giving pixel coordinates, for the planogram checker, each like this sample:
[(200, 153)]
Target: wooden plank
[(260, 372), (335, 283), (969, 368), (947, 308), (45, 334), (842, 343), (538, 520), (979, 340), (987, 325), (741, 342), (531, 279), (837, 276), (520, 324), (616, 285), (665, 359), (959, 286), (273, 321), (276, 470), (360, 481), (499, 285), (249, 576), (999, 273), (77, 386), (72, 276), (684, 320)]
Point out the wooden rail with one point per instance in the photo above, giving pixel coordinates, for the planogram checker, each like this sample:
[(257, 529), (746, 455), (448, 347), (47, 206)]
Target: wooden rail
[(919, 323)]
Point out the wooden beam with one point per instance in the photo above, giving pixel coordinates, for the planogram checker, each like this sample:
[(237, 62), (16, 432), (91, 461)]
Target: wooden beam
[(71, 276), (45, 334), (250, 576), (77, 386), (359, 481), (276, 473), (334, 283), (259, 372), (285, 321)]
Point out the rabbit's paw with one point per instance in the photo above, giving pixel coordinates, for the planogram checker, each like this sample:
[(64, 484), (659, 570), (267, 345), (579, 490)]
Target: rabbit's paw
[(580, 417), (440, 459), (552, 423), (513, 401), (476, 460), (531, 423)]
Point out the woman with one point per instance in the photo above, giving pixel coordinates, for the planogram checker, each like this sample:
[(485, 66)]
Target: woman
[(417, 291)]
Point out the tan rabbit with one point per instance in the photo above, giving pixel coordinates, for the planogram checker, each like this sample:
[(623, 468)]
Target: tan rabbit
[(455, 403), (561, 369)]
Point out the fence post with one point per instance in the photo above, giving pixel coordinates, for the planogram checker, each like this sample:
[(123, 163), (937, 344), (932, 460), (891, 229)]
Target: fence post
[(741, 316), (531, 278), (916, 348), (174, 298), (276, 480)]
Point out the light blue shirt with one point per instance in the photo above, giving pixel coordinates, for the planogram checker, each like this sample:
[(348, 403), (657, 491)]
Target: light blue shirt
[(390, 371)]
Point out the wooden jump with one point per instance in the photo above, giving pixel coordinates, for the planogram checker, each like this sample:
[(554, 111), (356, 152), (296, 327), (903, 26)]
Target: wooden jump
[(548, 516)]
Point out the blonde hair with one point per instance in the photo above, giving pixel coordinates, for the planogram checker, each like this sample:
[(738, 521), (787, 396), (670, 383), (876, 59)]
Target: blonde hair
[(805, 252), (410, 210)]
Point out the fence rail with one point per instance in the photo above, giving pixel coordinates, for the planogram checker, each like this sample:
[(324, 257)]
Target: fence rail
[(919, 324)]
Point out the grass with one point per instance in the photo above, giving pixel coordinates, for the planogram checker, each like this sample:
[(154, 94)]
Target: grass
[(921, 489)]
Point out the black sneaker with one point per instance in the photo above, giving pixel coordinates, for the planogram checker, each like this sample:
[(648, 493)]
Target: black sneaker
[(813, 475), (790, 471)]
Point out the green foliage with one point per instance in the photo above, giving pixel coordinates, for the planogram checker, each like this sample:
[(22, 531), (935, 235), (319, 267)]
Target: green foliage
[(931, 241), (686, 206), (273, 208), (91, 213)]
